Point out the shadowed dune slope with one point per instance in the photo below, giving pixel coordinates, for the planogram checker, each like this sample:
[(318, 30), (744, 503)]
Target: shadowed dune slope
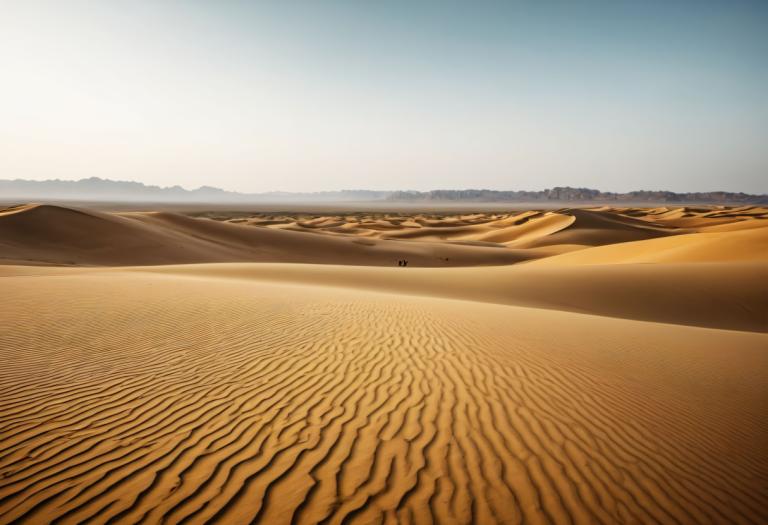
[(731, 296), (712, 246), (140, 397), (596, 228), (42, 234)]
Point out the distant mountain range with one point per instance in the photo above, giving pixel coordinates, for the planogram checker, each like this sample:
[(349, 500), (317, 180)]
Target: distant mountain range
[(97, 189)]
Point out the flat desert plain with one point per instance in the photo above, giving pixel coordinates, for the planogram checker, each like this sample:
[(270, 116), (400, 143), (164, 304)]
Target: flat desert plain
[(596, 365)]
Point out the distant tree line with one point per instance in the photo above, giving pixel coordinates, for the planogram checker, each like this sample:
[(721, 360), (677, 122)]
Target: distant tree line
[(567, 194)]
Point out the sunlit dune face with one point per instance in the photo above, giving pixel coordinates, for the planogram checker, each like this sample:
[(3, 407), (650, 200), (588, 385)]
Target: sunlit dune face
[(522, 229)]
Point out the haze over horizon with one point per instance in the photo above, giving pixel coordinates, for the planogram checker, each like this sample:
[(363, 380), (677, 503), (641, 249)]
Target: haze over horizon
[(332, 95), (38, 189)]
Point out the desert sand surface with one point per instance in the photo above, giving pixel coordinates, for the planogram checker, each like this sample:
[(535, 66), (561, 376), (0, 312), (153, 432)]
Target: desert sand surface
[(601, 365)]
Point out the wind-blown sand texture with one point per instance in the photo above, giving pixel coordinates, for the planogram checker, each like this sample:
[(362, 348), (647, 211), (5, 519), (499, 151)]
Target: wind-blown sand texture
[(610, 366)]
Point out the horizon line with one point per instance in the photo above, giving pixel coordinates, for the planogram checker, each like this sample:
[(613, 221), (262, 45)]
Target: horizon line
[(373, 190)]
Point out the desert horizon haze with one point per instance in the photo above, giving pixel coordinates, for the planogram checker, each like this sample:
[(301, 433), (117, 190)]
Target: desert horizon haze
[(336, 262), (97, 191)]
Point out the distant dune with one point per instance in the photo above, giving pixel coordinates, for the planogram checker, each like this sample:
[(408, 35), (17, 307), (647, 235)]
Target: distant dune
[(43, 234), (599, 365)]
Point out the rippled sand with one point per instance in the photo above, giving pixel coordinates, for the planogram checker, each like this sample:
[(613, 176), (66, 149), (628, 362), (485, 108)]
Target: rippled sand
[(610, 383)]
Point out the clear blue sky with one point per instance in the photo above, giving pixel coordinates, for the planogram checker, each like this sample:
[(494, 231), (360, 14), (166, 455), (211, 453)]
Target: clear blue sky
[(314, 95)]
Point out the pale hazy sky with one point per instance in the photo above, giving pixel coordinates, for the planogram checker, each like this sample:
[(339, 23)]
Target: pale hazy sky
[(323, 95)]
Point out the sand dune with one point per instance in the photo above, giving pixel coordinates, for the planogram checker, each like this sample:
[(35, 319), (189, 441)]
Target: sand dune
[(729, 296), (55, 235), (715, 245), (43, 234), (597, 228), (192, 400), (608, 367)]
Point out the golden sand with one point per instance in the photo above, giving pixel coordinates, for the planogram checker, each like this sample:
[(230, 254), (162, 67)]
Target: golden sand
[(618, 373)]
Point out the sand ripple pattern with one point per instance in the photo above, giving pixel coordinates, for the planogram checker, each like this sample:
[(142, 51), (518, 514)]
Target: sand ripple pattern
[(140, 399)]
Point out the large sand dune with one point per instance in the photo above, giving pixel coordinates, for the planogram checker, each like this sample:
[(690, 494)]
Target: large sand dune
[(617, 373), (55, 235)]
